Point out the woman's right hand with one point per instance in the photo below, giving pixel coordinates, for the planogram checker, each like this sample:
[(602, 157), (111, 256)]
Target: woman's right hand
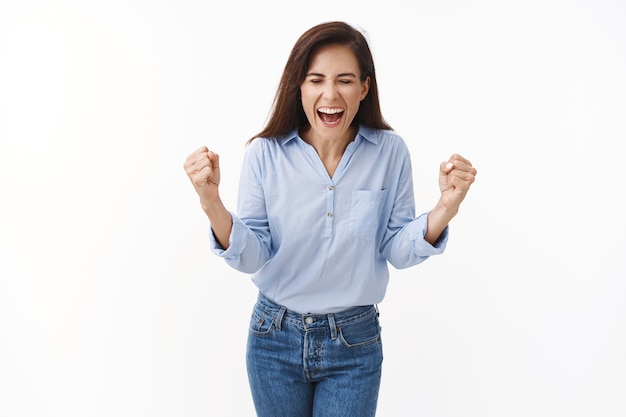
[(203, 169)]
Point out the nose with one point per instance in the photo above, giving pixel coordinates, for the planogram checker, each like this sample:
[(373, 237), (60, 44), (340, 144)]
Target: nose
[(330, 89)]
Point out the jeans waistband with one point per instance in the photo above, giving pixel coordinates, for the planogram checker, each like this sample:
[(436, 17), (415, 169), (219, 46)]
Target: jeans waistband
[(310, 320)]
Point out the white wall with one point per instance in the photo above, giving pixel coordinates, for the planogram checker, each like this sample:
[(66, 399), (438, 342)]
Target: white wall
[(112, 305)]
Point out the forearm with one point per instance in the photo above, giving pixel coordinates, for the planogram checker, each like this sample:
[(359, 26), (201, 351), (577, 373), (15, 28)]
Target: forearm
[(438, 219), (221, 221)]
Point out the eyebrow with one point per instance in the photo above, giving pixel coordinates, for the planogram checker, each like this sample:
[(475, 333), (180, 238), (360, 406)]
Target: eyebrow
[(344, 74)]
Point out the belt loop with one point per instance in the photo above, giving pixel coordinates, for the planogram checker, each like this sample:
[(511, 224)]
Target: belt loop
[(333, 326), (279, 318)]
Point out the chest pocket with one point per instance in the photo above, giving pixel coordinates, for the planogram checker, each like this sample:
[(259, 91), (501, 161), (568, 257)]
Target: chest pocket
[(366, 210)]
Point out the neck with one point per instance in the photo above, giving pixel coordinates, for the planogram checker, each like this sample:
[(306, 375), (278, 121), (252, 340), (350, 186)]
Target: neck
[(329, 150), (328, 147)]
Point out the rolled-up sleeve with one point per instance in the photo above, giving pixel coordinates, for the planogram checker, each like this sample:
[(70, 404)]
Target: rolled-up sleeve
[(245, 252), (409, 247)]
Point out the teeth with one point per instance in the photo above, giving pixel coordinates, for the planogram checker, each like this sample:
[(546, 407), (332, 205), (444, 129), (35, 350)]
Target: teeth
[(330, 110)]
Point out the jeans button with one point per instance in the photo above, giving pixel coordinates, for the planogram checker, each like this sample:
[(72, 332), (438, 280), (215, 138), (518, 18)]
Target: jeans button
[(309, 320)]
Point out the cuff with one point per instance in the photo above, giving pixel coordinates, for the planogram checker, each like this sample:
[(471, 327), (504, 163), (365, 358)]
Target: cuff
[(236, 242), (423, 247)]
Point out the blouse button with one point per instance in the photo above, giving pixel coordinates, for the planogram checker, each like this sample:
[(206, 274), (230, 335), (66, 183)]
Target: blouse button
[(330, 187), (329, 214)]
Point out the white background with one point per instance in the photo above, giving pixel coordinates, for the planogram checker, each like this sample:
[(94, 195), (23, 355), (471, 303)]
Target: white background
[(111, 303)]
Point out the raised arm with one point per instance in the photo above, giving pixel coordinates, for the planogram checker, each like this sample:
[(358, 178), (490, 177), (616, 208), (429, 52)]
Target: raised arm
[(203, 169), (456, 175)]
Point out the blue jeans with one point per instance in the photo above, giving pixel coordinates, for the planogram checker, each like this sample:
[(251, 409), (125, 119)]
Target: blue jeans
[(314, 365)]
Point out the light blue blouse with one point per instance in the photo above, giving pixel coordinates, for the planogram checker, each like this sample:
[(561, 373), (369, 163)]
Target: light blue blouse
[(317, 244)]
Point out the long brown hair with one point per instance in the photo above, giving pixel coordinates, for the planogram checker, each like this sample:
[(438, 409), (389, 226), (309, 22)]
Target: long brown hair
[(287, 112)]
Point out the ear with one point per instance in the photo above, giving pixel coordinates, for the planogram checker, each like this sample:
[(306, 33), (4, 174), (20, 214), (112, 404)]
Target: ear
[(365, 87)]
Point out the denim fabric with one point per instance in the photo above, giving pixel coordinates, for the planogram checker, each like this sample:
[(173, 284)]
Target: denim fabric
[(314, 365)]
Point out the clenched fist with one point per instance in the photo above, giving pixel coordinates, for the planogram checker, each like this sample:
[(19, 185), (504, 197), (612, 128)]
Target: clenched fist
[(203, 169), (455, 177)]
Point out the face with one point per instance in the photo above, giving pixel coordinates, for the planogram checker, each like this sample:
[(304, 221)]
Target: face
[(332, 92)]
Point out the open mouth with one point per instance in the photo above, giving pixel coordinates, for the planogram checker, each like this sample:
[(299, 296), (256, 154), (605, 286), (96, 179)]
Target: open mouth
[(330, 115)]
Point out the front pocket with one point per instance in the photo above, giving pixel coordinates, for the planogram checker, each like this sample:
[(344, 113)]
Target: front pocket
[(261, 323), (362, 332), (366, 209)]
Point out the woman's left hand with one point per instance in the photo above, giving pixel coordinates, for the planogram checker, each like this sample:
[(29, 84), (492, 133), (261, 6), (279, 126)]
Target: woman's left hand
[(456, 175)]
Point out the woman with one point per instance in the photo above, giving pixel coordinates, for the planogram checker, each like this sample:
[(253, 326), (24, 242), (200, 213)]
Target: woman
[(325, 204)]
